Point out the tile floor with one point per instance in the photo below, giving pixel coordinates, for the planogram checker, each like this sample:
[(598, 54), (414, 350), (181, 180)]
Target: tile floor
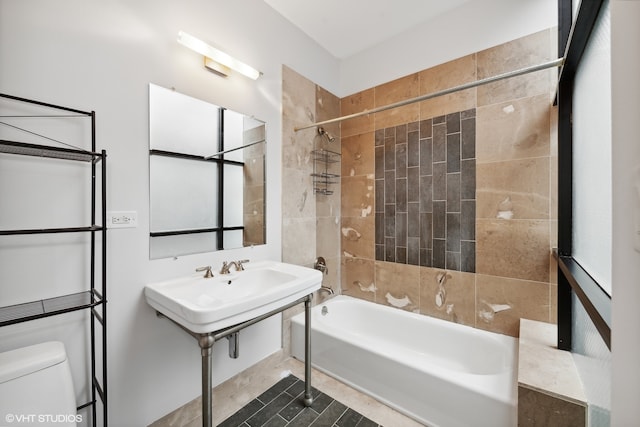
[(281, 406)]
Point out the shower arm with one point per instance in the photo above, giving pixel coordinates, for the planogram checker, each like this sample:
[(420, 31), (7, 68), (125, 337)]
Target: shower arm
[(550, 64)]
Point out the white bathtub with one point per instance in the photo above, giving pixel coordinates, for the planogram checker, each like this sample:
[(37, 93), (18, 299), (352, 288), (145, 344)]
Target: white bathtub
[(437, 372)]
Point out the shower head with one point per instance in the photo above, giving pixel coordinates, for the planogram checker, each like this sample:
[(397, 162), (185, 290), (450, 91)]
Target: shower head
[(326, 134)]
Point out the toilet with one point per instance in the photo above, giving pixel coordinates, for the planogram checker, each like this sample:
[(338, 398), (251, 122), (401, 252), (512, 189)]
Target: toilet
[(36, 387)]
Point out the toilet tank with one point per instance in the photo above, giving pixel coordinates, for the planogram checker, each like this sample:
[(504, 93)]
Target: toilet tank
[(36, 388)]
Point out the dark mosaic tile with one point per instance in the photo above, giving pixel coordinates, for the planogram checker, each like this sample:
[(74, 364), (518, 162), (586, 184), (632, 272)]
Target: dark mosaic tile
[(439, 119), (453, 122), (426, 193), (439, 143), (468, 256), (426, 128), (390, 249), (413, 127), (453, 261), (413, 250), (453, 232), (389, 153), (413, 220), (413, 184), (401, 255), (468, 180), (276, 421), (468, 138), (401, 134), (330, 415), (426, 230), (292, 410), (453, 153), (401, 229), (439, 219), (277, 389), (243, 414), (401, 194), (401, 160), (426, 156), (349, 419), (390, 220), (379, 224), (321, 402), (390, 187), (265, 414), (305, 418), (439, 181), (438, 255), (390, 132), (380, 253), (379, 195), (379, 137), (468, 220), (413, 149), (466, 114), (426, 258), (366, 422), (453, 192), (379, 165)]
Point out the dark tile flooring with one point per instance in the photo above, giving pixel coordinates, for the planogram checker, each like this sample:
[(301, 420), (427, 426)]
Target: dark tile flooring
[(282, 405)]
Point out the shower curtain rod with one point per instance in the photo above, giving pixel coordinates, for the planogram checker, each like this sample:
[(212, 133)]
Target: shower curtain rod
[(555, 63)]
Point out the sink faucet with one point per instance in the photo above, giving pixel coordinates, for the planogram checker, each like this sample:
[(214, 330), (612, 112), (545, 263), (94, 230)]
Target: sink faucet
[(207, 271), (226, 266)]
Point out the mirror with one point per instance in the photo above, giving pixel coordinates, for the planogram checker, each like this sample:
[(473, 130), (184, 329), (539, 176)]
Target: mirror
[(206, 176)]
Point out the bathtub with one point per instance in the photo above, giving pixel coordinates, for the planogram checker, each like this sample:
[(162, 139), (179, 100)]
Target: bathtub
[(436, 372)]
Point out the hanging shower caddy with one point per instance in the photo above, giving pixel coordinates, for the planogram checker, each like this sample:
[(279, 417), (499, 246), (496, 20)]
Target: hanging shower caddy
[(323, 174)]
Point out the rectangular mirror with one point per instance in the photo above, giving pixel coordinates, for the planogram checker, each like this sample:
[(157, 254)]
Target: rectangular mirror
[(206, 176)]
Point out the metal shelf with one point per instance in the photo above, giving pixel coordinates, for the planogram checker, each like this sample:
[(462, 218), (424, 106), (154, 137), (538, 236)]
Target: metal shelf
[(24, 149), (18, 313)]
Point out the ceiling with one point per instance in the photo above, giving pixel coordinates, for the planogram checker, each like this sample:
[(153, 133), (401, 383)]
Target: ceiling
[(346, 27)]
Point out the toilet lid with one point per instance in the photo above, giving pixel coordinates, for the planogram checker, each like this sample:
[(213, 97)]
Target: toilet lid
[(26, 360)]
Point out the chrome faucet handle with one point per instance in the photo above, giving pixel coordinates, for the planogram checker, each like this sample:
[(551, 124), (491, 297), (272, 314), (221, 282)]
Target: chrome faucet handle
[(208, 273), (225, 268), (240, 266)]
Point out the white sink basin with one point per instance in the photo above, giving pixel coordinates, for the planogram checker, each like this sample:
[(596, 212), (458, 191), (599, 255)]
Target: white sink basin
[(207, 305)]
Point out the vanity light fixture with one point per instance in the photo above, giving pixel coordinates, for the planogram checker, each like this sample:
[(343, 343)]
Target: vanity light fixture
[(215, 59)]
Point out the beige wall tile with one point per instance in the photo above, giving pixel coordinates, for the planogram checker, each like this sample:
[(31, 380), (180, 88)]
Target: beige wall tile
[(357, 236), (513, 248), (445, 76), (515, 189), (358, 154), (553, 303), (358, 196), (298, 200), (513, 130), (398, 285), (299, 241), (501, 302), (459, 305), (358, 278), (328, 237), (537, 409), (395, 91), (514, 55), (356, 103)]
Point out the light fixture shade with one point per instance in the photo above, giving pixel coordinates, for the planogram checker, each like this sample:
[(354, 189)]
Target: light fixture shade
[(216, 55)]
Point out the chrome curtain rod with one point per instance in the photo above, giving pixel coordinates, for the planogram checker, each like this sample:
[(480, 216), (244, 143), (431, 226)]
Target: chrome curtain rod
[(555, 63)]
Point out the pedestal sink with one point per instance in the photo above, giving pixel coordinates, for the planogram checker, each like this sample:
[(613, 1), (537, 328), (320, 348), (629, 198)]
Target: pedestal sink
[(216, 307)]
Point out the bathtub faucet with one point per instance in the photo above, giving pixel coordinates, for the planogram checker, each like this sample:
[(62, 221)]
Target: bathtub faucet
[(327, 289)]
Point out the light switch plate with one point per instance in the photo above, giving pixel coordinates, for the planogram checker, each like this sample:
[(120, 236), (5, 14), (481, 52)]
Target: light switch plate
[(122, 219)]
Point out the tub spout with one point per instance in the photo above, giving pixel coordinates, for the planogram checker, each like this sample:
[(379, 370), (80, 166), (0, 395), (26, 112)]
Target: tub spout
[(327, 289)]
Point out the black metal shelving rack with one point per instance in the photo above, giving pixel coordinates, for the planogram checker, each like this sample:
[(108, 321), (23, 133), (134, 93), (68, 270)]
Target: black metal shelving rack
[(94, 299)]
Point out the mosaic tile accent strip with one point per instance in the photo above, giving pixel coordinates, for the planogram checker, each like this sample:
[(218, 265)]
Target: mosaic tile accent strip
[(282, 406), (425, 176)]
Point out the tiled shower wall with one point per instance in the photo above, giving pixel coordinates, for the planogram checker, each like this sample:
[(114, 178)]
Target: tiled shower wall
[(515, 198), (310, 223), (425, 192)]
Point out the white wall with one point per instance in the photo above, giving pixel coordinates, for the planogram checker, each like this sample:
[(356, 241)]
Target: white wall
[(472, 27), (625, 69), (101, 56)]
